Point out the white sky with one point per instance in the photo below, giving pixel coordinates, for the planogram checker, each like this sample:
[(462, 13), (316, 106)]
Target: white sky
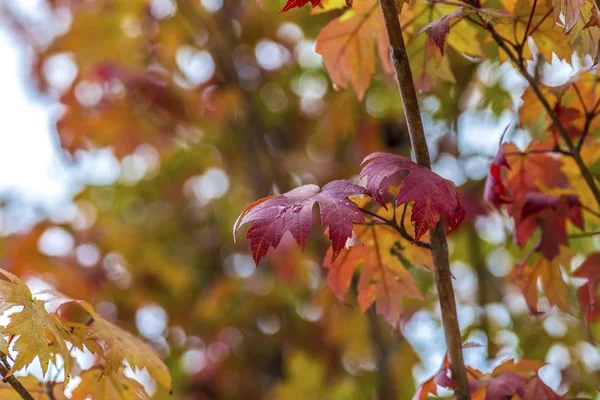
[(29, 163)]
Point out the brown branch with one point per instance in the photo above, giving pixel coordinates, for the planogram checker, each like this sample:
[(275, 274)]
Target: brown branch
[(14, 382), (439, 246), (573, 152)]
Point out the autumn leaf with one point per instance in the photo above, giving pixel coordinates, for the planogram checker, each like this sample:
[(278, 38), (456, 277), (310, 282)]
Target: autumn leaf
[(298, 3), (550, 214), (115, 344), (509, 380), (514, 378), (570, 9), (548, 37), (587, 293), (384, 278), (39, 334), (571, 102), (439, 29), (441, 378), (518, 179), (349, 44), (120, 345), (529, 272), (495, 191), (292, 212), (433, 196), (96, 385)]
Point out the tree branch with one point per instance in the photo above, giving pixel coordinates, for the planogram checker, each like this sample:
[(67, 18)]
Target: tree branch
[(14, 382), (439, 246), (573, 151)]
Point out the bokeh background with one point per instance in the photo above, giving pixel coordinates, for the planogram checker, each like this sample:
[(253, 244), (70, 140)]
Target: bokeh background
[(134, 132)]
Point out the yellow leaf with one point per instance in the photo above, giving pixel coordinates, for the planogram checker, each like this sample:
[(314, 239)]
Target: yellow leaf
[(96, 386), (527, 275), (120, 345), (548, 37), (384, 257), (349, 44), (39, 334), (328, 5)]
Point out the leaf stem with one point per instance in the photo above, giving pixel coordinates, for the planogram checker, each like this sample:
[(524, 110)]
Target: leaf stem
[(13, 381), (400, 229), (439, 246), (584, 235), (589, 210)]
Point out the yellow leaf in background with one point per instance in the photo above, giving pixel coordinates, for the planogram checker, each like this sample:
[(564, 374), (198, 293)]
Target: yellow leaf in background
[(306, 378), (120, 345), (384, 258), (548, 37), (328, 5), (463, 38), (527, 275), (96, 386), (39, 334), (349, 46)]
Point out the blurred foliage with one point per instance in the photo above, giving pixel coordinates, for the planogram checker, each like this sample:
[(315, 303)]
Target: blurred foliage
[(208, 105)]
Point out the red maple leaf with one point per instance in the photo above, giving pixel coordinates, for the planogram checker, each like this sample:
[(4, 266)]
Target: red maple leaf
[(299, 3), (550, 214), (433, 196), (272, 216), (517, 179), (439, 29), (587, 294), (568, 117), (494, 191), (508, 380)]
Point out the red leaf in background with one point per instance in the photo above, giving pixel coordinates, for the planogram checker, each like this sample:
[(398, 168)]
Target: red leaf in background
[(568, 116), (273, 216), (517, 179), (442, 378), (550, 214), (537, 270), (439, 29), (586, 294), (509, 380), (531, 170), (494, 191), (433, 196), (298, 3)]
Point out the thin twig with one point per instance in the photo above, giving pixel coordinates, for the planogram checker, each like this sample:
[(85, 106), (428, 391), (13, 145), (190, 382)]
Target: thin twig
[(585, 172), (439, 246), (400, 229), (589, 210), (580, 97), (526, 34), (13, 381), (584, 235)]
